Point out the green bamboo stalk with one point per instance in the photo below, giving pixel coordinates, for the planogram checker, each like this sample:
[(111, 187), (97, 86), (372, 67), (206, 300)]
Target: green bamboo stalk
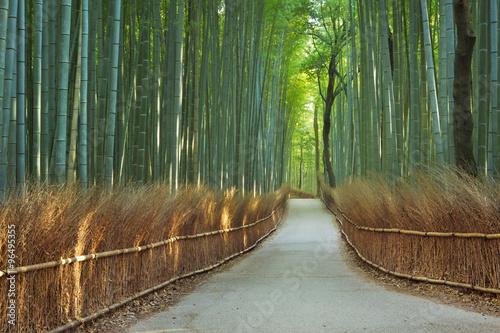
[(414, 91), (91, 93), (443, 80), (9, 87), (4, 15), (374, 102), (475, 79), (111, 114), (75, 110), (53, 11), (496, 115), (389, 105), (21, 98), (484, 85), (493, 122), (450, 59), (155, 109), (142, 104), (62, 96), (398, 82), (177, 92), (44, 143), (432, 85), (101, 90), (83, 127), (196, 95), (37, 98), (12, 135)]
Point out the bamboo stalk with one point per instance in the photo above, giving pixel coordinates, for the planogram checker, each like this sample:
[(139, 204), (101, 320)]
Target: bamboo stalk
[(100, 255)]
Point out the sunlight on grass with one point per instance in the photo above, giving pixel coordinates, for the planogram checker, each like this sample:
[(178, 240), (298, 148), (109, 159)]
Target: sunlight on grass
[(432, 200), (62, 222)]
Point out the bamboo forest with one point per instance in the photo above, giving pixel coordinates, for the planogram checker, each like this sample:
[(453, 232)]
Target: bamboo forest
[(245, 93), (144, 142)]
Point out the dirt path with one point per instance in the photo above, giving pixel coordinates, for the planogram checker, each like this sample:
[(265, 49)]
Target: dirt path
[(299, 281)]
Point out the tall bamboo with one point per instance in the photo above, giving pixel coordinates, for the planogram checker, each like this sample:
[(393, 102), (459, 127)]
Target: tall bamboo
[(83, 128), (111, 114), (75, 110), (10, 64), (443, 80), (62, 95), (390, 130), (484, 85), (432, 84), (21, 97), (37, 98), (493, 122)]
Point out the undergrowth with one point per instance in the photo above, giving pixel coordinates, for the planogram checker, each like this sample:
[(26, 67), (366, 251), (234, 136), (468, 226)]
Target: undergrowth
[(296, 193), (432, 200), (435, 199), (53, 223)]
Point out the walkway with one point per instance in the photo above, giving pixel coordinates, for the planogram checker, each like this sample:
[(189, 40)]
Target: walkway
[(298, 281)]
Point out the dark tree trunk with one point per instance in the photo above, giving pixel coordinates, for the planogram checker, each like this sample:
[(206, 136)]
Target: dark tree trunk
[(462, 117), (316, 146), (330, 98), (300, 171)]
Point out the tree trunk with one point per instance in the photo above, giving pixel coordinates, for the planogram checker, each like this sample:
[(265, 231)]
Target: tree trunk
[(462, 116), (330, 97), (316, 146), (300, 166)]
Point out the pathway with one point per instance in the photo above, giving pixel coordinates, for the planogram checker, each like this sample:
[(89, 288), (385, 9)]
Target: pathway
[(298, 281)]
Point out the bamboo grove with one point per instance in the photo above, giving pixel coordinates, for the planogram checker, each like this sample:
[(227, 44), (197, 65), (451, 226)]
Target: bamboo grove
[(393, 76), (107, 91), (224, 92)]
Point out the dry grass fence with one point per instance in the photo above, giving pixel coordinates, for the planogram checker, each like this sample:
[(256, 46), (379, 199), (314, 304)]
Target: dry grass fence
[(438, 227), (55, 224), (296, 193)]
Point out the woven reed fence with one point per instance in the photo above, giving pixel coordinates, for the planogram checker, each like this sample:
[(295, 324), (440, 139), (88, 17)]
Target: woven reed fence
[(464, 260), (61, 294)]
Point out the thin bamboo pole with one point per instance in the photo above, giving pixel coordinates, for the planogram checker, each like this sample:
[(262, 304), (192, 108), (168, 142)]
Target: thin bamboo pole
[(101, 312), (422, 233), (100, 255)]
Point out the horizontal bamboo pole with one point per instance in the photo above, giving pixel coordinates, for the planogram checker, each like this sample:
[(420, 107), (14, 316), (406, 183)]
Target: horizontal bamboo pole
[(420, 278), (55, 263), (102, 312), (408, 276), (421, 233)]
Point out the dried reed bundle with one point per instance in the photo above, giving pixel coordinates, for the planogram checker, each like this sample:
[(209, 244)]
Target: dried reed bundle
[(300, 194), (433, 201), (56, 223)]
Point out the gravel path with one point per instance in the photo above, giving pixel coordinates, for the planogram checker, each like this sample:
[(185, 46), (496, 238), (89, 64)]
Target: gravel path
[(299, 281)]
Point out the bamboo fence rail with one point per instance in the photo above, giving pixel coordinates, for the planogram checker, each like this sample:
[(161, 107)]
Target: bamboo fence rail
[(421, 233), (78, 289), (112, 307), (100, 255), (325, 196)]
